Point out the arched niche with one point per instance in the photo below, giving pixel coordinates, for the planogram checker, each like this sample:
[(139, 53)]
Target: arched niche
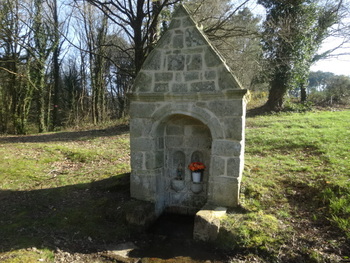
[(197, 156), (185, 139)]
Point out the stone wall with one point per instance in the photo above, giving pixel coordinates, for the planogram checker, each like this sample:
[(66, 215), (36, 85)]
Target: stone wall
[(186, 104)]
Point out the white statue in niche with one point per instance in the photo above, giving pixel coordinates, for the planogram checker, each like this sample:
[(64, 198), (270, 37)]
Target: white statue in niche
[(178, 164), (179, 172)]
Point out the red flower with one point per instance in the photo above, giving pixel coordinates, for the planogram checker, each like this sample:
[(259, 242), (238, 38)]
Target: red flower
[(196, 167)]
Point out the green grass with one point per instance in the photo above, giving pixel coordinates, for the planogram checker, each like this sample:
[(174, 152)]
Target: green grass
[(297, 170), (28, 165), (31, 255), (251, 230), (62, 190)]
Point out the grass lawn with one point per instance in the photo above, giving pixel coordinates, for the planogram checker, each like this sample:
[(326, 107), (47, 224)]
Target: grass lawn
[(296, 189), (62, 191), (68, 191)]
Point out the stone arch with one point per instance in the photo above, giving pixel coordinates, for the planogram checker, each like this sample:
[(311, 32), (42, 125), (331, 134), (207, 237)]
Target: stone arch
[(164, 113)]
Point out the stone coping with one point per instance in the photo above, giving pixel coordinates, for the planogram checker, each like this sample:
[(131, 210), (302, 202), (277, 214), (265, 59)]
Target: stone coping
[(193, 96)]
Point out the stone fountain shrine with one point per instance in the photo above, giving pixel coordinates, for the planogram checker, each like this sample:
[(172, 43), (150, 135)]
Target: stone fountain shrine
[(186, 106)]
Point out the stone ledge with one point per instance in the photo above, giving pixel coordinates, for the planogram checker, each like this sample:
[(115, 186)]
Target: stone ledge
[(207, 223), (188, 96)]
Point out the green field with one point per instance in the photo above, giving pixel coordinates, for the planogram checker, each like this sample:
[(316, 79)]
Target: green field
[(68, 191), (296, 188)]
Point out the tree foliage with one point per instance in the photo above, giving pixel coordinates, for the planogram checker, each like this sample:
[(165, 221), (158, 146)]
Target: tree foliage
[(293, 33), (326, 89), (16, 87)]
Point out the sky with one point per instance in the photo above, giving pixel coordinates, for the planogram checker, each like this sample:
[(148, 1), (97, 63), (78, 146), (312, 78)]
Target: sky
[(339, 65)]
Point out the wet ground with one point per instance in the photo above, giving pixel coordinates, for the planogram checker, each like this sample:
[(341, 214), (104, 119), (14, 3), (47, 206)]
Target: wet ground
[(170, 240)]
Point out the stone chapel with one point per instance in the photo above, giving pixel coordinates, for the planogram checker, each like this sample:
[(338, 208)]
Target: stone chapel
[(186, 106)]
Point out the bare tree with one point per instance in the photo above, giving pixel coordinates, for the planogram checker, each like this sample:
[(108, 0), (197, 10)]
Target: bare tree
[(139, 20), (234, 31), (94, 36)]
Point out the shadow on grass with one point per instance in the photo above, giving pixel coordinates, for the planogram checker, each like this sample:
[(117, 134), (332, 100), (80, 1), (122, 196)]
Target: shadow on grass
[(90, 219), (311, 219), (72, 218), (258, 111), (66, 136)]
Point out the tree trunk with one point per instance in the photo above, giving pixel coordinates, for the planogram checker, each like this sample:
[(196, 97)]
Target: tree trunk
[(139, 51), (40, 47), (25, 90), (40, 101), (277, 93), (56, 69), (139, 41), (154, 27), (303, 95), (304, 84)]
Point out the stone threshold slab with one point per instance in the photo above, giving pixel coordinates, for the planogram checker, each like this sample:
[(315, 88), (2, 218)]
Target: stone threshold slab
[(207, 223)]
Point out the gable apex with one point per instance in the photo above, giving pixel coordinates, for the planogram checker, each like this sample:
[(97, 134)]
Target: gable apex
[(181, 11), (184, 61)]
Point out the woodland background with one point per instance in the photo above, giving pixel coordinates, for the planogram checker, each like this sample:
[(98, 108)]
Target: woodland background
[(68, 62)]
